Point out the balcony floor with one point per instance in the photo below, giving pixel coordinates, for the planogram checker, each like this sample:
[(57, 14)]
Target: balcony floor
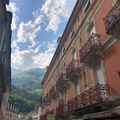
[(112, 114)]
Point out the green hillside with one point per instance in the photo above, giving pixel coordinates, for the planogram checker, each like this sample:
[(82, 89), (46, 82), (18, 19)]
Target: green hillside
[(27, 89)]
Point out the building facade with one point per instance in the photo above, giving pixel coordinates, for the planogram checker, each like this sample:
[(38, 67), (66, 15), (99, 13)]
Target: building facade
[(39, 112), (5, 56), (12, 111), (83, 78)]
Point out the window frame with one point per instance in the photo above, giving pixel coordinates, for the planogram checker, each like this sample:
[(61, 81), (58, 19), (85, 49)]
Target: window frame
[(87, 6), (72, 34), (85, 78)]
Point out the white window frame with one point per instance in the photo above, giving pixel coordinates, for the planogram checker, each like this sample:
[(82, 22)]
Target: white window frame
[(72, 34), (91, 28), (87, 82), (85, 9), (96, 80)]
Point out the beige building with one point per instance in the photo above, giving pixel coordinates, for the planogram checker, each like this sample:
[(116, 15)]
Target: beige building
[(12, 111), (31, 116), (5, 59), (39, 112)]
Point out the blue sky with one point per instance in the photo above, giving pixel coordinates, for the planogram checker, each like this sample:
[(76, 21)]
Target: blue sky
[(36, 26)]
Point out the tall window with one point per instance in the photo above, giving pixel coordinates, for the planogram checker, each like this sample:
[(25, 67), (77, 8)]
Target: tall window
[(81, 42), (74, 54), (72, 34), (86, 5), (77, 88), (56, 102), (63, 50), (85, 80), (78, 19), (65, 98), (63, 67), (91, 29), (98, 74)]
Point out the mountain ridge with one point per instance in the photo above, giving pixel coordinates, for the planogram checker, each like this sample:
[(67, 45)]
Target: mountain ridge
[(27, 88)]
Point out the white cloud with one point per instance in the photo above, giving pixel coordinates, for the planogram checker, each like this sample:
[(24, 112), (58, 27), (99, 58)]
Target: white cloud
[(28, 31), (32, 58), (14, 9), (55, 11), (14, 45), (52, 13)]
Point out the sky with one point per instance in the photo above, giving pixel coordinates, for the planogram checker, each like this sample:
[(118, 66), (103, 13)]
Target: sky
[(36, 26)]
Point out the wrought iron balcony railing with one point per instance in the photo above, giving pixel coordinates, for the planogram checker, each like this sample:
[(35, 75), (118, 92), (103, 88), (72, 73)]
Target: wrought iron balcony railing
[(61, 84), (73, 104), (95, 95), (112, 21), (91, 50), (73, 71)]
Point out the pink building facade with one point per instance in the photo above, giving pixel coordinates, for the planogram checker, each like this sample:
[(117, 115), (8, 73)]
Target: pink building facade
[(83, 78)]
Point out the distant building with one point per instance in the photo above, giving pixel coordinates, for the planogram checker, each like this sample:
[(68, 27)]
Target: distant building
[(35, 117), (21, 117), (5, 56), (32, 115), (39, 112), (12, 111), (83, 78)]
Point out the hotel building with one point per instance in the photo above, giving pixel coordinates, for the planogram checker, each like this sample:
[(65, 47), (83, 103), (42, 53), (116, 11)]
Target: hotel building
[(83, 78)]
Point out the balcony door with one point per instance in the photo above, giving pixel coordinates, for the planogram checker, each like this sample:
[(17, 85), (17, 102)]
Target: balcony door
[(98, 74), (76, 85), (77, 88), (56, 103), (91, 29), (74, 54), (85, 79), (65, 98)]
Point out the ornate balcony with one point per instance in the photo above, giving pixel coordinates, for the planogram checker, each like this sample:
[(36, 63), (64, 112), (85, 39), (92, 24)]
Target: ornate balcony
[(73, 104), (73, 71), (91, 52), (112, 21), (62, 82), (94, 96)]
